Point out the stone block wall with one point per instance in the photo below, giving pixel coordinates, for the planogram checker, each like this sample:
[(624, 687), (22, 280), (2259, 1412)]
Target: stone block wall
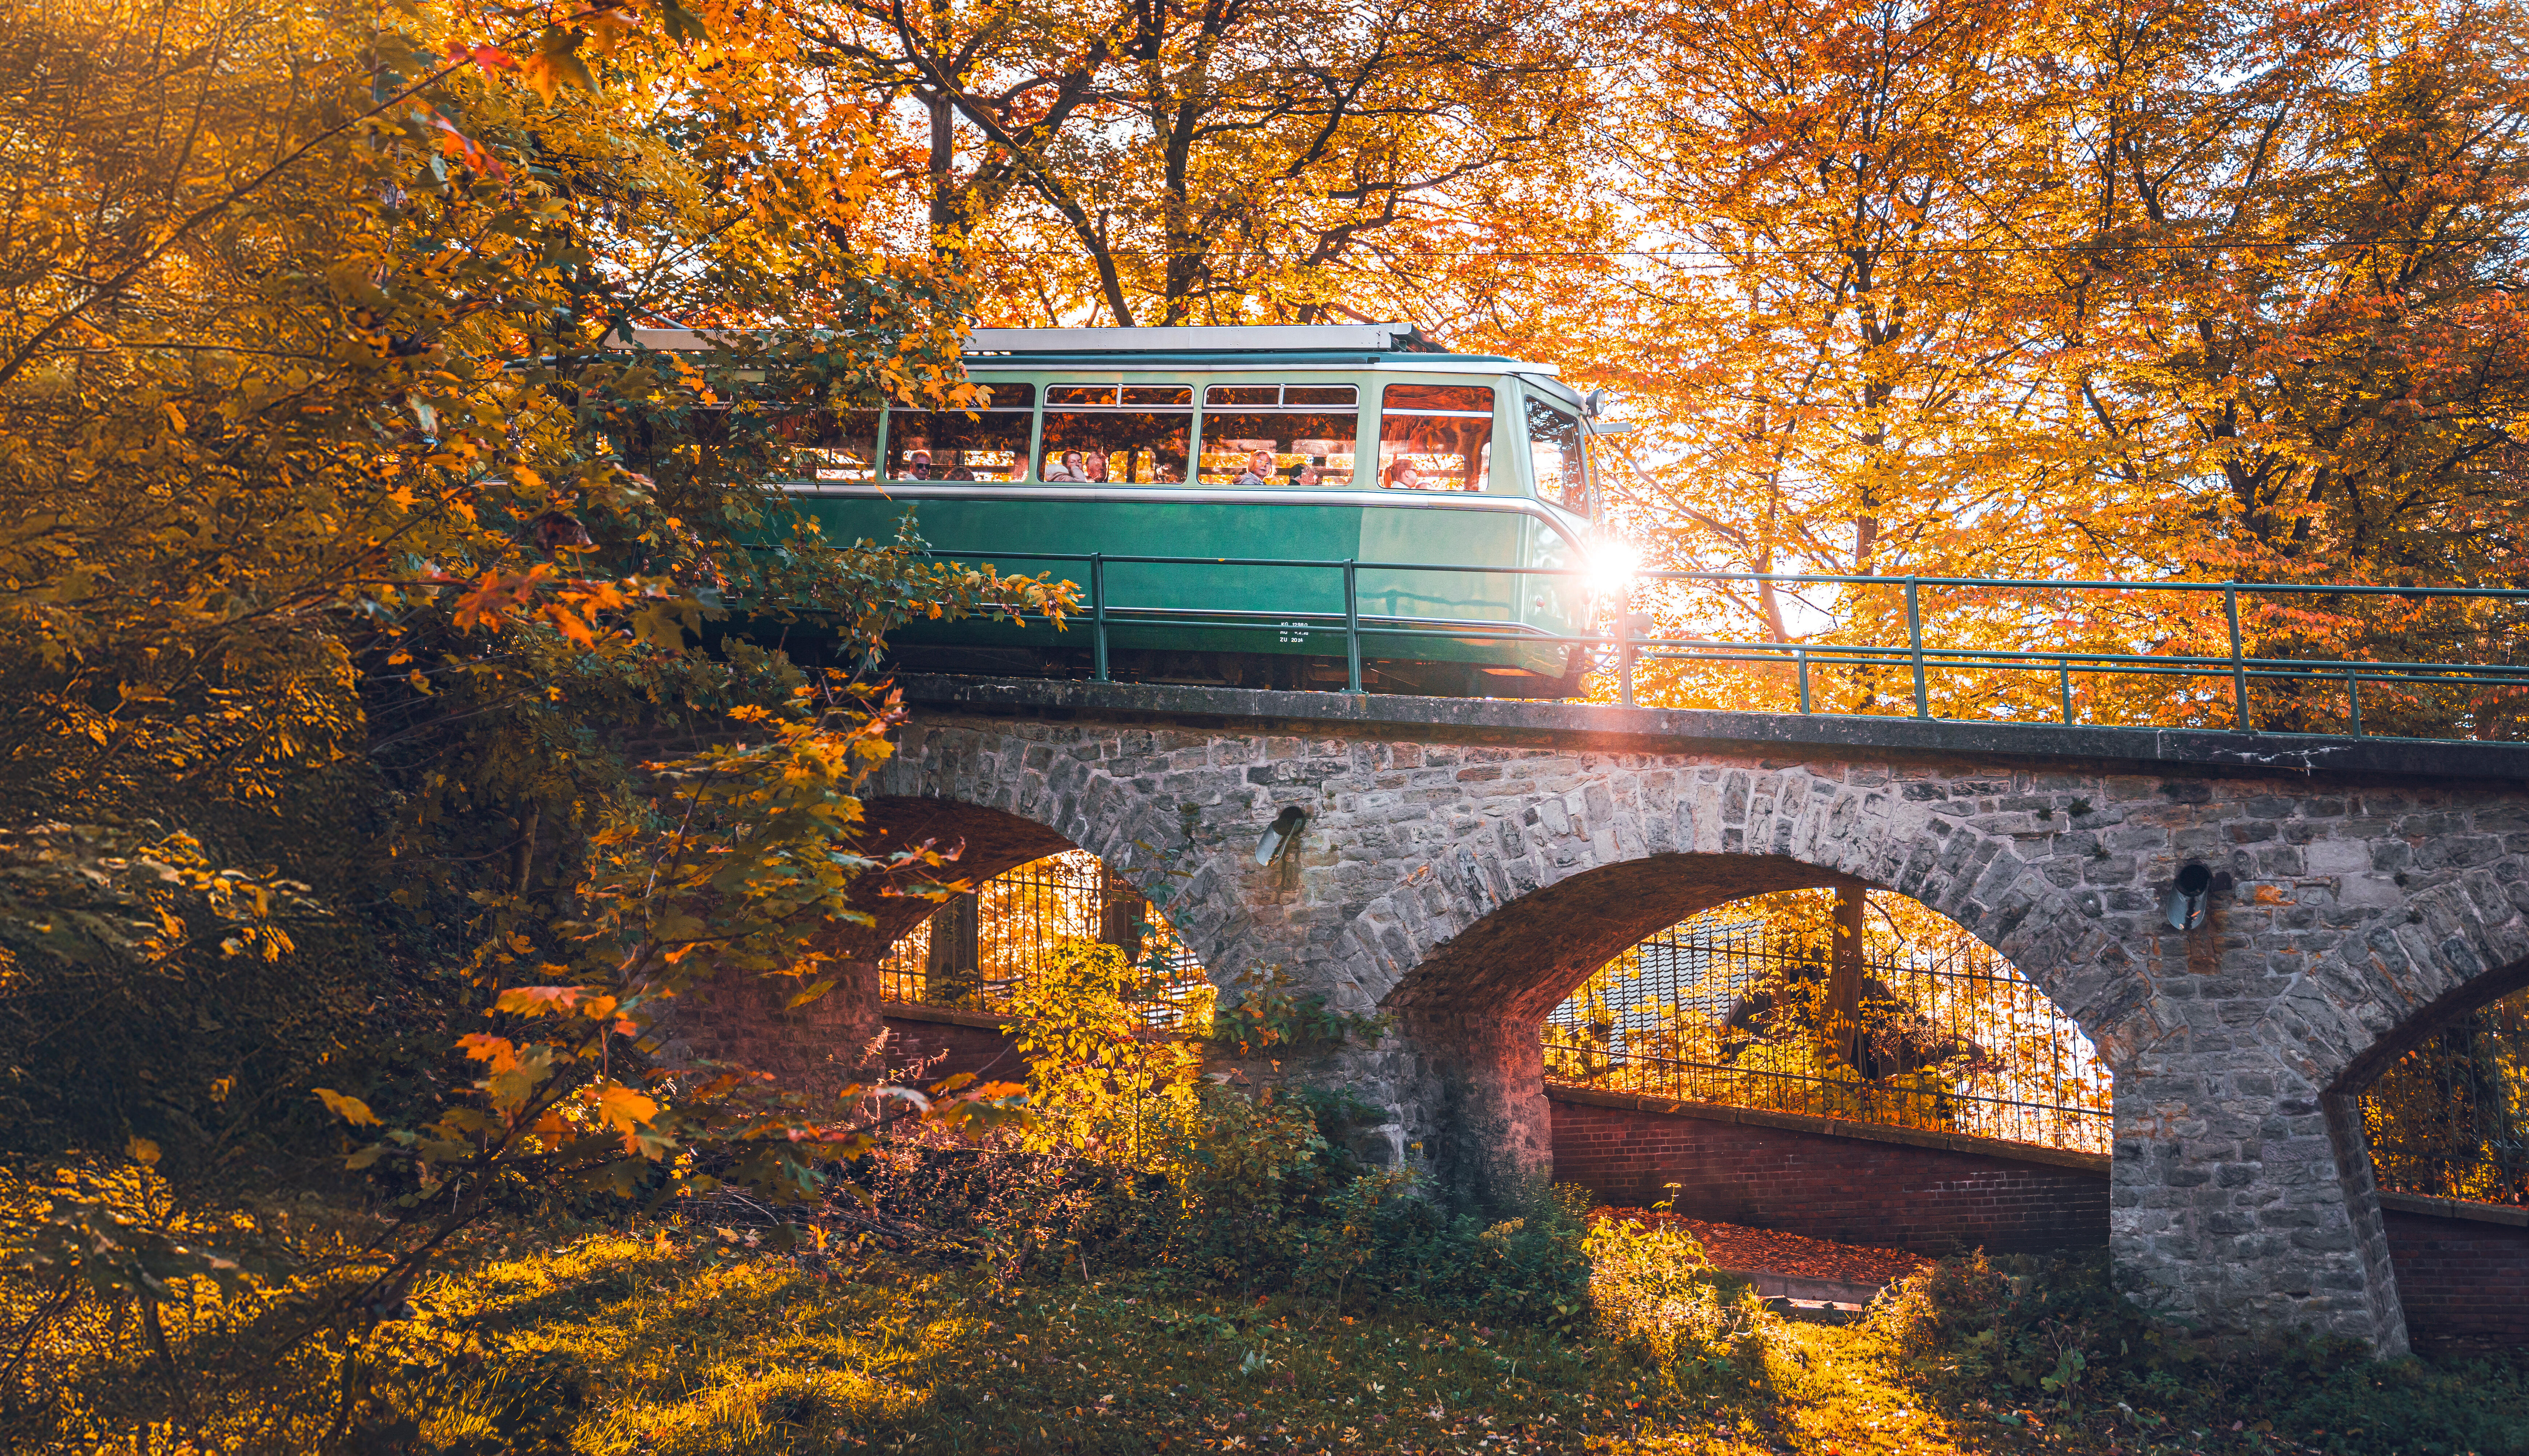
[(1863, 1185)]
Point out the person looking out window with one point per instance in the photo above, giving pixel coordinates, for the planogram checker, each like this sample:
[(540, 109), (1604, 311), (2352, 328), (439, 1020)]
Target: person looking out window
[(1259, 471), (1069, 471)]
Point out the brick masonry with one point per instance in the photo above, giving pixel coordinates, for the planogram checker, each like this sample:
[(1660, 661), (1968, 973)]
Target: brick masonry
[(1461, 875), (1799, 1179), (945, 1043), (2461, 1277)]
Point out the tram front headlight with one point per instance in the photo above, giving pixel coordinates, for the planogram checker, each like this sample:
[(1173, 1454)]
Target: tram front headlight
[(1612, 564)]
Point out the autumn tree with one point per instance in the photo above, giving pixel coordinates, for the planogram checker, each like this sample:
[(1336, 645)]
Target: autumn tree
[(1228, 161), (345, 541), (2076, 291)]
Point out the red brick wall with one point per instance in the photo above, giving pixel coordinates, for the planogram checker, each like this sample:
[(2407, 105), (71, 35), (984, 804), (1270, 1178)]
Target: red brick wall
[(983, 1051), (2461, 1278), (1930, 1200)]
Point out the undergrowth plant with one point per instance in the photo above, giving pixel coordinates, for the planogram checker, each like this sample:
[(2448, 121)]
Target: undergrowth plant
[(1654, 1295), (2041, 1339)]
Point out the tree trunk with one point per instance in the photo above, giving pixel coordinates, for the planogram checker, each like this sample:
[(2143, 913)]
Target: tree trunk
[(1121, 913), (954, 974), (1842, 1019)]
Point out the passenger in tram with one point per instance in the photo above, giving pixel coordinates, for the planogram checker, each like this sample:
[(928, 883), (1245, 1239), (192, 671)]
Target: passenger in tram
[(1259, 471), (1095, 469), (1405, 475), (1308, 474), (917, 465), (1068, 473)]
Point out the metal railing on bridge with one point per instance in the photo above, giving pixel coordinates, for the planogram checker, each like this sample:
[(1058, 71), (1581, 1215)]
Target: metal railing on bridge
[(1731, 1015), (2260, 656)]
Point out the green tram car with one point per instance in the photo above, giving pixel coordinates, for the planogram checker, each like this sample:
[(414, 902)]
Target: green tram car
[(1309, 447)]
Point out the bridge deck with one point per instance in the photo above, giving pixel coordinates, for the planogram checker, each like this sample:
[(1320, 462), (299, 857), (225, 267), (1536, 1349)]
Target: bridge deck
[(1675, 730)]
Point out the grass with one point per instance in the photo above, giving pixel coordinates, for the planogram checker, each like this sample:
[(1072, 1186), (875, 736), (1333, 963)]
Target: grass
[(656, 1345)]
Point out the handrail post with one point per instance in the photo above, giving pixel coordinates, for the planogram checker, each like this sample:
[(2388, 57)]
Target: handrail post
[(1352, 626), (1625, 651), (2064, 680), (2238, 669), (1098, 613), (1915, 642), (1802, 654), (2353, 696)]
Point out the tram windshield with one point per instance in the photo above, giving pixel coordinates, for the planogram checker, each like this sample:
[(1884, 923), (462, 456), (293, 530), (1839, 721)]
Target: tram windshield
[(1131, 434), (1554, 453), (1281, 434), (1435, 437), (990, 443)]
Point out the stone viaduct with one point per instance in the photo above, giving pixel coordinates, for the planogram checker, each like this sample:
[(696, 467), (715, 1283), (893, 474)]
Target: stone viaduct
[(1466, 863)]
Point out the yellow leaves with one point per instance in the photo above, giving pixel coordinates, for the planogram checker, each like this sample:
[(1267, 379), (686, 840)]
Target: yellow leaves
[(557, 64), (624, 1110), (608, 25), (539, 1000), (350, 1109)]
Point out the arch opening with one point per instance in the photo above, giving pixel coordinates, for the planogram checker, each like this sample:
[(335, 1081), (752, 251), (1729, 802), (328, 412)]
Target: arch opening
[(2431, 1127), (972, 951), (2449, 1117), (1844, 1003)]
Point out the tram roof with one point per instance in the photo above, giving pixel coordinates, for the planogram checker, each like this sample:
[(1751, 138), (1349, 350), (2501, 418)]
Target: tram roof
[(1203, 339), (1192, 346)]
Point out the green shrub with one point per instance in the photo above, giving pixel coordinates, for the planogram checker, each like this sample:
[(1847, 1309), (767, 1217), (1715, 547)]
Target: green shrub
[(2056, 1335), (1651, 1290)]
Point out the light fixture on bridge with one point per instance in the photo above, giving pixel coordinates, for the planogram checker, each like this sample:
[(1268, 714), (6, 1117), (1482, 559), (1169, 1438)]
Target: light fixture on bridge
[(1279, 837), (2195, 883)]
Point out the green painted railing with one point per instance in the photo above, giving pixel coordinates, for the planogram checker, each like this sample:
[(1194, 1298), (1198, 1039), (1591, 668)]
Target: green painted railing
[(1630, 642)]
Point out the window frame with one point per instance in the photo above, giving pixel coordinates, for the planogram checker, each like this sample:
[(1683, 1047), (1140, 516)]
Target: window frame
[(1530, 393), (1036, 431), (1281, 387), (1192, 408), (1502, 388)]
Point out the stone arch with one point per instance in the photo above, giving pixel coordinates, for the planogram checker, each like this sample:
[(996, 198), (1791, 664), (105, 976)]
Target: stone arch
[(1469, 1014), (2361, 905), (2339, 1104)]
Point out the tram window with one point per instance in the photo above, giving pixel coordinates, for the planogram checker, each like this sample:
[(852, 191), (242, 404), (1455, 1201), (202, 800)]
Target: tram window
[(832, 444), (1278, 434), (1435, 437), (989, 444), (1095, 441), (1554, 453)]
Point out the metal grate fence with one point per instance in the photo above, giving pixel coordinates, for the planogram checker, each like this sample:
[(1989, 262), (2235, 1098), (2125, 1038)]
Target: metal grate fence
[(973, 948), (2450, 1119), (1726, 1013)]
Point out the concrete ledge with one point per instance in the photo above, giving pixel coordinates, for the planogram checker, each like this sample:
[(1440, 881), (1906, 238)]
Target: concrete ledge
[(2456, 1208), (1837, 1127), (943, 1015), (1683, 730)]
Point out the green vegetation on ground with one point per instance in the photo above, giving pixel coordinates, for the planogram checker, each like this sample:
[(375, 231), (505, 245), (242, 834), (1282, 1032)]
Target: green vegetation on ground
[(693, 1342)]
